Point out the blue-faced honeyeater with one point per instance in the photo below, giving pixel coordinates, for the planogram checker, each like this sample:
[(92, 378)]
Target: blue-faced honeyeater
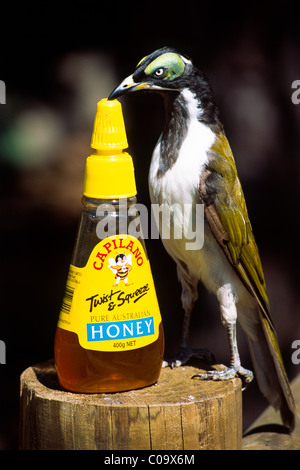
[(192, 164)]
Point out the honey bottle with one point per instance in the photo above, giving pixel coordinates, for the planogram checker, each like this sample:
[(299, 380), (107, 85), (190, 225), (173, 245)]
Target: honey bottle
[(109, 335)]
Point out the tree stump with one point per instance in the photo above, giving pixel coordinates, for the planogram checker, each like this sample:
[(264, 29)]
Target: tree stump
[(177, 413)]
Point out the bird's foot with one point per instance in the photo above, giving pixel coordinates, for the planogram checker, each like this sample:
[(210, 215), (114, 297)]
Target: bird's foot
[(185, 354), (228, 373)]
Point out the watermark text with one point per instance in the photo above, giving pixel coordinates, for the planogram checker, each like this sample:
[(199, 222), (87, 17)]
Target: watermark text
[(170, 222), (2, 352), (2, 92), (296, 94), (296, 354)]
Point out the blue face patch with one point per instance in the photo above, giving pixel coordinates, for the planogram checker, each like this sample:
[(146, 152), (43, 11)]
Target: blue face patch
[(168, 66)]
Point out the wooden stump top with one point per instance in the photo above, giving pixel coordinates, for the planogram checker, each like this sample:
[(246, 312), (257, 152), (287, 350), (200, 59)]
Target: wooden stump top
[(176, 413), (174, 386)]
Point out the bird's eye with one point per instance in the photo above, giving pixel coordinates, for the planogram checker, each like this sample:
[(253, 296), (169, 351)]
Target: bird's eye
[(159, 72)]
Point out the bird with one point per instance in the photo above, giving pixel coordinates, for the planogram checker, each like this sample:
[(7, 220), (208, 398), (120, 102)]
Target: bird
[(193, 164)]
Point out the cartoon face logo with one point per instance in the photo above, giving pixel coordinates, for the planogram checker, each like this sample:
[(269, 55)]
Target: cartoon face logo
[(121, 266)]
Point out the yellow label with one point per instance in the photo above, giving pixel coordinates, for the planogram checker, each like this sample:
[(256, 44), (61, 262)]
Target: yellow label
[(111, 302)]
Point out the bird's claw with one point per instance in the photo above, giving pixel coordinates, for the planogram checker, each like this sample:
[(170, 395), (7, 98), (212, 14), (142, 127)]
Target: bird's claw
[(185, 354), (228, 373)]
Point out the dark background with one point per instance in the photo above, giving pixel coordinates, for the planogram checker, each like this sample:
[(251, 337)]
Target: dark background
[(57, 61)]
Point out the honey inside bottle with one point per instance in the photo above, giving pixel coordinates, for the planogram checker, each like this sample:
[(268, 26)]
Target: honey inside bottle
[(109, 336)]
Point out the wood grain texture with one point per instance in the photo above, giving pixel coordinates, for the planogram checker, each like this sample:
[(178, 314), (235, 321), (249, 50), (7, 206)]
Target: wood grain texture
[(176, 413)]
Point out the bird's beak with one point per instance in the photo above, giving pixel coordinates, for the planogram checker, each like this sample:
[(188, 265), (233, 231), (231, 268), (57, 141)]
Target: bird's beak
[(127, 86)]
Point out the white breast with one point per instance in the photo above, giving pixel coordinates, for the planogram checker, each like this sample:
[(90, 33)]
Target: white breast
[(181, 181), (179, 187)]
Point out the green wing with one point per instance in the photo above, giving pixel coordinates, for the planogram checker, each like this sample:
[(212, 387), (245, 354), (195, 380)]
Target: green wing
[(226, 213)]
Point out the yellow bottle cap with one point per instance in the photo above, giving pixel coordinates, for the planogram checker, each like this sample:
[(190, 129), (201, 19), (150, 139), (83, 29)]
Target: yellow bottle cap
[(109, 128), (109, 172)]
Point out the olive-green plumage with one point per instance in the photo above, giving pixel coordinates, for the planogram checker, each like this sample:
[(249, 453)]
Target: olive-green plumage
[(228, 219)]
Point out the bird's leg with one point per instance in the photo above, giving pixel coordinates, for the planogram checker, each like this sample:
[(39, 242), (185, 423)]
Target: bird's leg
[(229, 316), (189, 296), (235, 369), (185, 352)]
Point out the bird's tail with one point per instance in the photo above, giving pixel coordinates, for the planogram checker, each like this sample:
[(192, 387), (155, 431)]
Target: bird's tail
[(270, 371)]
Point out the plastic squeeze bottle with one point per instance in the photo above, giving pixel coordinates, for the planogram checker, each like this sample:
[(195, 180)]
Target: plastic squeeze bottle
[(109, 335)]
